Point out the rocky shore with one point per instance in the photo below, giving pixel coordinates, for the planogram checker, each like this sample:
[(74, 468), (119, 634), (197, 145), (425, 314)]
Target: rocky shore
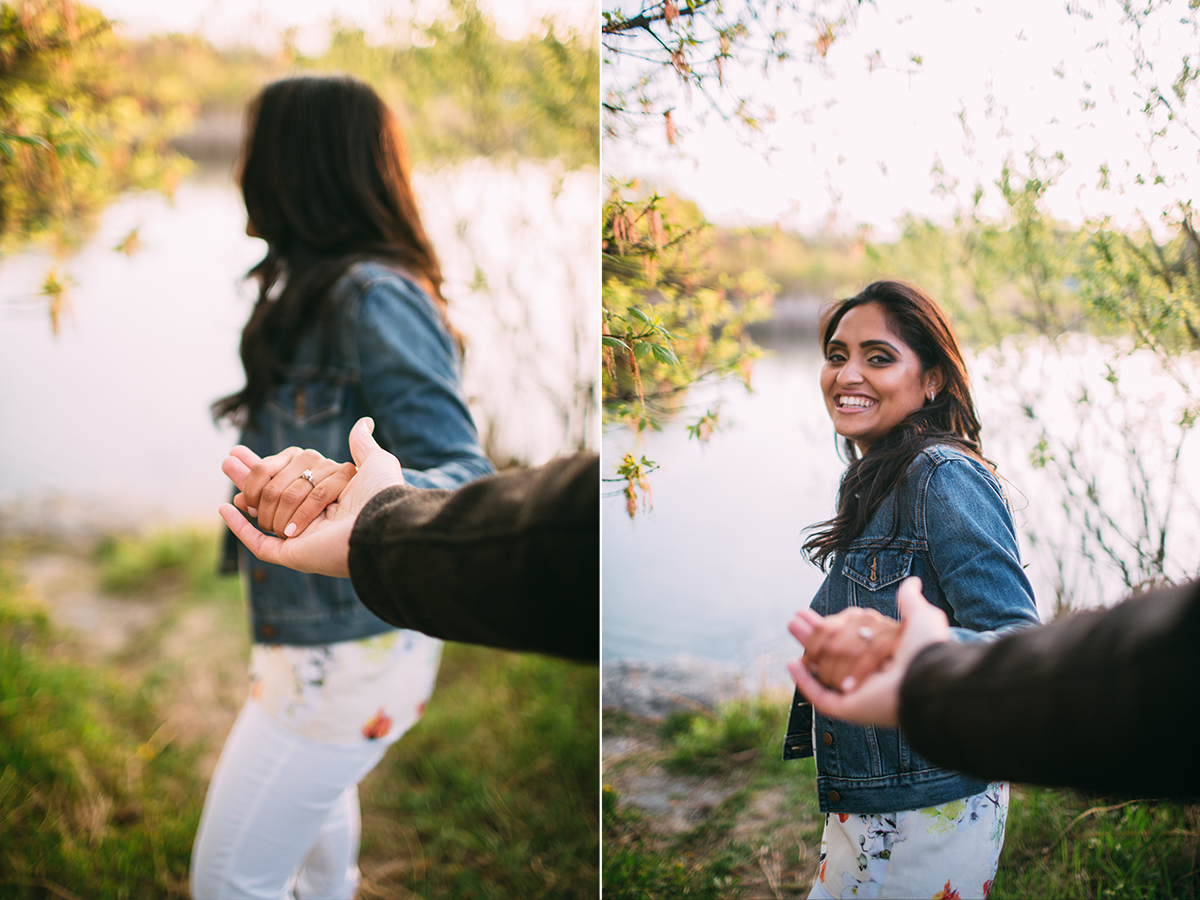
[(652, 690)]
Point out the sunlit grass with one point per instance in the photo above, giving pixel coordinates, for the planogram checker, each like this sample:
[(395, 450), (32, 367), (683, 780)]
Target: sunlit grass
[(1059, 843), (494, 794), (178, 558), (88, 808)]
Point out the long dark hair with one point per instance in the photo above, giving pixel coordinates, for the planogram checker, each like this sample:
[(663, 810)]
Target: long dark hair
[(324, 174), (949, 419)]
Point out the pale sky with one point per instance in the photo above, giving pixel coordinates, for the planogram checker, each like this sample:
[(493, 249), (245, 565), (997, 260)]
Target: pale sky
[(859, 144), (260, 22)]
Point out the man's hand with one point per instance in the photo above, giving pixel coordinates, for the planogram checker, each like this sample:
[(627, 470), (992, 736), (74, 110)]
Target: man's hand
[(323, 547), (876, 699)]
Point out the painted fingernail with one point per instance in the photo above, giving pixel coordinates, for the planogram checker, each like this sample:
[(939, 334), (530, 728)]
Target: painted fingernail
[(252, 511), (290, 530), (848, 683)]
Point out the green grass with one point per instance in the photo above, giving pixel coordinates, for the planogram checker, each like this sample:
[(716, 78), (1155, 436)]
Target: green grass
[(493, 794), (169, 558), (717, 857), (1058, 843), (1066, 844), (707, 743), (87, 807)]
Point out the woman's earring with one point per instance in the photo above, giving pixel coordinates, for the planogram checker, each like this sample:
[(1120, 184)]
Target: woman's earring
[(932, 394)]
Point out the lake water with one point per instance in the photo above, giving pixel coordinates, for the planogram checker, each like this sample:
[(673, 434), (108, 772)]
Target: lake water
[(107, 423), (715, 571)]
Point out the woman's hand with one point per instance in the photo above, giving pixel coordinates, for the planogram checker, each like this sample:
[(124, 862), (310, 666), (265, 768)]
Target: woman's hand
[(325, 547), (843, 649), (276, 491), (876, 699)]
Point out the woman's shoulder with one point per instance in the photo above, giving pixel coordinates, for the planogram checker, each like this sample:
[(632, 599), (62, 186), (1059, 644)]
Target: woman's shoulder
[(950, 460), (375, 288), (369, 275)]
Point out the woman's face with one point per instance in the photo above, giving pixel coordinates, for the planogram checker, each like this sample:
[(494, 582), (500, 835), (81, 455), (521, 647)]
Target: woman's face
[(871, 378)]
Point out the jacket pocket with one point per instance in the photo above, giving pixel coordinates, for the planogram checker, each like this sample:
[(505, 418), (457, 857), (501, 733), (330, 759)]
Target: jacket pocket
[(309, 412), (874, 568), (305, 402)]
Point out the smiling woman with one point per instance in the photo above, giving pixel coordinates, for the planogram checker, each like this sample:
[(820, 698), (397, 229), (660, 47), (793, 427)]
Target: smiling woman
[(871, 379), (917, 498)]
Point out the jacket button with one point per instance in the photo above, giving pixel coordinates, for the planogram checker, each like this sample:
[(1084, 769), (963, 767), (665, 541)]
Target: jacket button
[(267, 630), (827, 739), (259, 575), (834, 796)]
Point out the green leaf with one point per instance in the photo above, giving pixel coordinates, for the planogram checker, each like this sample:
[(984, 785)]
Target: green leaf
[(664, 354), (609, 341), (86, 155)]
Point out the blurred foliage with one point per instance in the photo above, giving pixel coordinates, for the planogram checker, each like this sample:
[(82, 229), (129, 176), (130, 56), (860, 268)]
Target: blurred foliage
[(463, 91), (78, 124), (1016, 273), (670, 320), (460, 89), (670, 44), (824, 267), (86, 114)]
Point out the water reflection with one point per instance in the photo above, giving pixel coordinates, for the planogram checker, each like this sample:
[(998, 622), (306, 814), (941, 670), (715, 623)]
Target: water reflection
[(107, 424)]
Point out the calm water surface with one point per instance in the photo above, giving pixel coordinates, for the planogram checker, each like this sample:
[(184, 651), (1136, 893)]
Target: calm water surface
[(107, 423)]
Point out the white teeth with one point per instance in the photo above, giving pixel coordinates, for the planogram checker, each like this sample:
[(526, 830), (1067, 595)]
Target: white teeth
[(855, 401)]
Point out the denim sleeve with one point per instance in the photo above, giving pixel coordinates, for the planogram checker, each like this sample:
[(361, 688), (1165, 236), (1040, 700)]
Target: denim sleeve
[(409, 370), (973, 549)]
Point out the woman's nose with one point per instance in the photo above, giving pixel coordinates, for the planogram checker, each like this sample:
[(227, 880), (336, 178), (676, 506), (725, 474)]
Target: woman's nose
[(849, 374)]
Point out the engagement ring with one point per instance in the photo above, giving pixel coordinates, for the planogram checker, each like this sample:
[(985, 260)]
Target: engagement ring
[(307, 476), (866, 633)]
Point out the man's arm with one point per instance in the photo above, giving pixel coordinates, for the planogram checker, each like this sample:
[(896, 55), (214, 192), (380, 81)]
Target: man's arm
[(1103, 700), (510, 561)]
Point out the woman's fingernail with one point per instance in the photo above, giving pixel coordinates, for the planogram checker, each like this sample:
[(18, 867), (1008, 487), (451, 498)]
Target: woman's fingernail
[(252, 511), (290, 530), (848, 683)]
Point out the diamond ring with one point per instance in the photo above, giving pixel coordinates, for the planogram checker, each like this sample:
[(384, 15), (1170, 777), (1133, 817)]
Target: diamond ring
[(307, 476), (865, 633)]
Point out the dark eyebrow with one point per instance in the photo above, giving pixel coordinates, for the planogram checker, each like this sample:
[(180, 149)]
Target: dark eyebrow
[(865, 345), (892, 347)]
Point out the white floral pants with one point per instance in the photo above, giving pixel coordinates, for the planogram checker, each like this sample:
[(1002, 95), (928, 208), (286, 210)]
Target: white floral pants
[(942, 852)]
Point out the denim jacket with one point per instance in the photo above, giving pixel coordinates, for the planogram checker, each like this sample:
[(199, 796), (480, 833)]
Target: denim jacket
[(956, 533), (392, 359)]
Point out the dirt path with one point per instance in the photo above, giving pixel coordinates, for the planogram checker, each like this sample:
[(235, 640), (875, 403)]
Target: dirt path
[(776, 839), (192, 643)]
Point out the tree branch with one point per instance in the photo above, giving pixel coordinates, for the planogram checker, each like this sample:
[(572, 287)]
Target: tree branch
[(645, 20)]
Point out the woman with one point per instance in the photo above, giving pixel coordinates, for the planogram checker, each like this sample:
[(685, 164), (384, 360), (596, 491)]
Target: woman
[(916, 499), (349, 322)]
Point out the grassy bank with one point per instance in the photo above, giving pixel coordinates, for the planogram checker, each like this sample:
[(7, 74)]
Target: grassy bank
[(106, 747), (700, 806)]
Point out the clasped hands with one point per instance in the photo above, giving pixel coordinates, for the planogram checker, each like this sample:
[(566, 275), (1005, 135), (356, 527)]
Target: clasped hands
[(313, 502), (854, 661)]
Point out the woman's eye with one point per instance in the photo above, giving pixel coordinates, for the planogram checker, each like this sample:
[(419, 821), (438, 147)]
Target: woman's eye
[(835, 358), (881, 359)]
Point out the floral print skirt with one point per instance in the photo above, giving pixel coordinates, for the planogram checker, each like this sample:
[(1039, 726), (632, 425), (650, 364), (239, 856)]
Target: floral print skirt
[(941, 852), (373, 689)]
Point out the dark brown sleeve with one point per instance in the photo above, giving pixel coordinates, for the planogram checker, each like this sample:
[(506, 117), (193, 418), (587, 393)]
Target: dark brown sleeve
[(511, 561), (1103, 700)]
